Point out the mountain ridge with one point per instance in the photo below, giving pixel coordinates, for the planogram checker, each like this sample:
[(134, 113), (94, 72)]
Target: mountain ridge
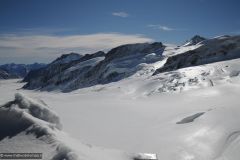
[(113, 66), (21, 70), (125, 61)]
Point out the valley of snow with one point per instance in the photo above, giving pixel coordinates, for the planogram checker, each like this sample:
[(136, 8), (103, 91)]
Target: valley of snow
[(122, 115), (185, 113)]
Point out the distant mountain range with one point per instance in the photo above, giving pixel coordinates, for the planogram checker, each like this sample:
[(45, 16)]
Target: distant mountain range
[(73, 71), (12, 70), (70, 72), (92, 69), (5, 75), (213, 50), (127, 92)]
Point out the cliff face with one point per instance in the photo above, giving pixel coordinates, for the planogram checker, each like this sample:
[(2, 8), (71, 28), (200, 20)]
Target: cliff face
[(213, 50), (97, 68)]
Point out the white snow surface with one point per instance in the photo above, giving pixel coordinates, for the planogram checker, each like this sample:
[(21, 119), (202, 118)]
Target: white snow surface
[(28, 125), (172, 50), (187, 114), (140, 115)]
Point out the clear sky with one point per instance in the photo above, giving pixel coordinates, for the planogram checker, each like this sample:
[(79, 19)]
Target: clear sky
[(41, 30)]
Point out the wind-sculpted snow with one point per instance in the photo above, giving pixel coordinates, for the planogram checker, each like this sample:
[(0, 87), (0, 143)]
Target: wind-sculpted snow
[(24, 117), (20, 114), (29, 125)]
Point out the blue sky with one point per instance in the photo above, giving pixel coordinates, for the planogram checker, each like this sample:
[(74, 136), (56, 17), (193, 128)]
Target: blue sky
[(41, 30)]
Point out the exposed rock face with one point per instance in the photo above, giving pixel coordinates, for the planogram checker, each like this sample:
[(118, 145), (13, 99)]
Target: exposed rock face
[(213, 50), (41, 75), (195, 40), (120, 62), (59, 65), (97, 68), (126, 60), (66, 58), (56, 72)]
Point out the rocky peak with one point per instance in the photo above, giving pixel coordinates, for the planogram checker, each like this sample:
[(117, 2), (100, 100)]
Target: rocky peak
[(194, 40), (128, 49), (66, 58)]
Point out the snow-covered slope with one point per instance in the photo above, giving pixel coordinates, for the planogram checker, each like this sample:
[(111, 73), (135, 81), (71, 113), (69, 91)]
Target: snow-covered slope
[(196, 124), (62, 71), (131, 60), (29, 126), (119, 63), (194, 40), (137, 113), (202, 76), (212, 50)]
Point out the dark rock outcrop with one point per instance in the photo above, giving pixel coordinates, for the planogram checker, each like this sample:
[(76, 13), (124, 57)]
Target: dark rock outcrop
[(92, 69), (213, 50), (5, 75), (194, 40)]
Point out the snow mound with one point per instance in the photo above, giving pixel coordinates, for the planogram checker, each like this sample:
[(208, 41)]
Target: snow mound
[(29, 125), (22, 113), (37, 109), (24, 117)]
